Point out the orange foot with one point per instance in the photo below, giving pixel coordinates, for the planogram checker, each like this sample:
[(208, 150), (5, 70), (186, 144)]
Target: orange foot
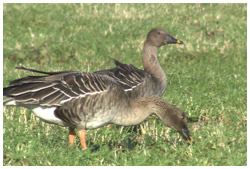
[(72, 136), (82, 135)]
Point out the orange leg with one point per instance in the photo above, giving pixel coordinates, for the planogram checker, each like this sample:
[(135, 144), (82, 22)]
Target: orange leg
[(72, 136), (82, 135), (109, 125)]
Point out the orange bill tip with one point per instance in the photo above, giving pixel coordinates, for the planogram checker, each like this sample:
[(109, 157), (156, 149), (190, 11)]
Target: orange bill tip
[(178, 41)]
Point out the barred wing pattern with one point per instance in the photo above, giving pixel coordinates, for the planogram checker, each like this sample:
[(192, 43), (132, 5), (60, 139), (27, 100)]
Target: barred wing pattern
[(135, 82), (54, 90), (128, 76)]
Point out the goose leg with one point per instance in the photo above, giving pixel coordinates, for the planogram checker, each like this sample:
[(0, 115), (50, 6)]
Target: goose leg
[(108, 126), (72, 136), (82, 135)]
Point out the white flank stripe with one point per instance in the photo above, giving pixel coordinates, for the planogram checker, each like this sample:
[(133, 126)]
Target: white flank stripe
[(80, 96), (131, 88), (35, 90)]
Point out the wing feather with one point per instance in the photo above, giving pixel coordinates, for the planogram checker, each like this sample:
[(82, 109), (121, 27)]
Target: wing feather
[(50, 91)]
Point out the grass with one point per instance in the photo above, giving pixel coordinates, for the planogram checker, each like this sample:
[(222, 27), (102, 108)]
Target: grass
[(207, 78)]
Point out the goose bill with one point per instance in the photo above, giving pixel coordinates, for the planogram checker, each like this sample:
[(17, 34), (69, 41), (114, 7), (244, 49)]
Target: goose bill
[(171, 40), (186, 137)]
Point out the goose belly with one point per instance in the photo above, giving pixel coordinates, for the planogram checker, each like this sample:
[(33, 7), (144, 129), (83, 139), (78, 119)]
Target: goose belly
[(98, 120)]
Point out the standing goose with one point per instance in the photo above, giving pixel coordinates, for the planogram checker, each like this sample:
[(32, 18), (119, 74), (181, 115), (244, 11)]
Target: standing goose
[(150, 81), (135, 82), (85, 101)]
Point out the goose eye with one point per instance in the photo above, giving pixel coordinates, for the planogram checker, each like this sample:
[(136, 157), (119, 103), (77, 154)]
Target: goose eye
[(158, 33)]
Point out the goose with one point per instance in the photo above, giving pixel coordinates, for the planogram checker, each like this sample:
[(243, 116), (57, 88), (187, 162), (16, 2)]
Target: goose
[(85, 100), (136, 82)]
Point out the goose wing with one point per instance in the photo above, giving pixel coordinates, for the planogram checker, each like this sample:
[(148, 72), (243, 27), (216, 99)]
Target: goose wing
[(56, 89), (128, 76)]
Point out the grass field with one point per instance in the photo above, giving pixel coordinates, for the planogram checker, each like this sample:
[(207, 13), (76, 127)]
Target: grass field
[(207, 79)]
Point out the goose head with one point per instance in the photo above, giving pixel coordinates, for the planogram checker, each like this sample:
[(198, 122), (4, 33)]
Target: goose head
[(158, 38), (179, 123), (172, 117)]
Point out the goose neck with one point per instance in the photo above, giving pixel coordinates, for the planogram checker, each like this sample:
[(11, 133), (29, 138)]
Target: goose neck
[(135, 113), (152, 65)]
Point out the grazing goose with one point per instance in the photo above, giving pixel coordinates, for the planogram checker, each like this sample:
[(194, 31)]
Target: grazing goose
[(135, 82), (86, 100)]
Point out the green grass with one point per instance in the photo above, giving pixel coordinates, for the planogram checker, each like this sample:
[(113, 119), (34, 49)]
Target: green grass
[(207, 79)]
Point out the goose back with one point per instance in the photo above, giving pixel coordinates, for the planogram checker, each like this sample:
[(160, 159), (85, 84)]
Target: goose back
[(135, 82)]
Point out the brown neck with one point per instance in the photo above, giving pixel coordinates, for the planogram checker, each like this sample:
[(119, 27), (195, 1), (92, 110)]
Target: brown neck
[(138, 110), (151, 64), (134, 113)]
